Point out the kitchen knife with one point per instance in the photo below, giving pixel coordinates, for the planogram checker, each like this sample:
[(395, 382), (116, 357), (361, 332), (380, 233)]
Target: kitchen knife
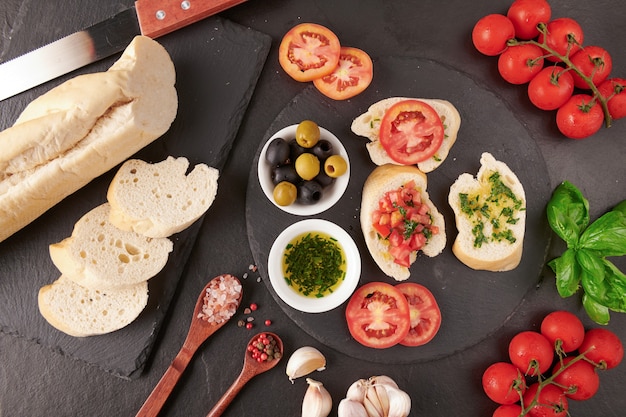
[(152, 18)]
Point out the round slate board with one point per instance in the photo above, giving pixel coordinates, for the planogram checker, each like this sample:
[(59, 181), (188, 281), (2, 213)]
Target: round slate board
[(474, 304)]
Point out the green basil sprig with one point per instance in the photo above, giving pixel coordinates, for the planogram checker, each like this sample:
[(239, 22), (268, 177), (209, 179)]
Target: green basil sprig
[(584, 264)]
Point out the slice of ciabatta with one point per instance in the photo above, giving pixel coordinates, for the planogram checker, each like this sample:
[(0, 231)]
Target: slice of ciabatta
[(368, 125), (79, 311), (100, 256), (490, 213), (158, 200), (387, 178)]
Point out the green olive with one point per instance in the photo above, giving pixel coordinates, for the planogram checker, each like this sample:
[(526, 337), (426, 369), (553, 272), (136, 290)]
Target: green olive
[(285, 193), (307, 134), (335, 166), (307, 166)]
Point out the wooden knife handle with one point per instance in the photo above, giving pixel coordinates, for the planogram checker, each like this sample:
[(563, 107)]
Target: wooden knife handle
[(159, 17)]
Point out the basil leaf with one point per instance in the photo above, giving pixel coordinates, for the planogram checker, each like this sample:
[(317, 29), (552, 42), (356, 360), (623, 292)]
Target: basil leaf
[(595, 311), (602, 281), (607, 234), (591, 264), (621, 207), (567, 273), (616, 281), (568, 213)]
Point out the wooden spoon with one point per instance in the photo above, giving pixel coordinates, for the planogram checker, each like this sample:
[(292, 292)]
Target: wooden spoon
[(251, 368), (199, 332)]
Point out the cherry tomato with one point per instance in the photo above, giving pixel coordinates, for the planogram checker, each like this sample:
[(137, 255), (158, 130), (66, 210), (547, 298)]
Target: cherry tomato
[(520, 63), (595, 62), (411, 131), (564, 35), (551, 88), (580, 117), (425, 315), (309, 51), (526, 15), (565, 329), (508, 410), (603, 347), (503, 383), (551, 401), (491, 33), (378, 315), (531, 352), (352, 75), (614, 90), (580, 378)]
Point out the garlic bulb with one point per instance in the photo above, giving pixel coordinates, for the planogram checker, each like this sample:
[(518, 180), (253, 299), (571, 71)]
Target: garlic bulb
[(351, 408), (317, 400), (378, 396), (304, 361)]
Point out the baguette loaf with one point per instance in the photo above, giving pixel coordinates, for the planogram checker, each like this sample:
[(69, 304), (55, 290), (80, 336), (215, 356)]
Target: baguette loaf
[(83, 128), (79, 311), (158, 200), (368, 125), (384, 179), (100, 256), (490, 213)]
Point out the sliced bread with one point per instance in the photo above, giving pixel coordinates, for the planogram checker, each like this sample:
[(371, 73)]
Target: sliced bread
[(100, 256), (79, 311), (490, 213), (368, 125), (158, 200)]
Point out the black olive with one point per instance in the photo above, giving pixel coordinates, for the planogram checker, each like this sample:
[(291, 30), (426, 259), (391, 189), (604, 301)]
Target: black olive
[(295, 150), (277, 152), (324, 179), (309, 192), (285, 173), (323, 149)]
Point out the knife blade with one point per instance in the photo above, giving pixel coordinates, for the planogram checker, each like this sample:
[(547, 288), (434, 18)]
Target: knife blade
[(152, 18)]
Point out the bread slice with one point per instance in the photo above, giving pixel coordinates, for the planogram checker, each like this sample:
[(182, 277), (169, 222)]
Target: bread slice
[(79, 311), (158, 200), (83, 128), (479, 204), (387, 178), (100, 256), (368, 125)]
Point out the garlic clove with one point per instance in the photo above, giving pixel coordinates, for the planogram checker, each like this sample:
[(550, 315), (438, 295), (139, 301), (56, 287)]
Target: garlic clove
[(317, 400), (372, 405), (351, 408), (399, 402), (303, 361), (356, 391), (383, 398)]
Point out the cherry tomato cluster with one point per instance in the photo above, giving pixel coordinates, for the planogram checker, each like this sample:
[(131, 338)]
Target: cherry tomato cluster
[(312, 52), (550, 367), (562, 73)]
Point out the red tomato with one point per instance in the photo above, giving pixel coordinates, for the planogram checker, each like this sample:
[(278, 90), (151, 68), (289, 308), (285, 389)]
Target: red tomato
[(581, 116), (520, 63), (564, 328), (564, 36), (526, 15), (491, 33), (309, 51), (614, 90), (503, 383), (603, 347), (508, 410), (351, 76), (551, 401), (378, 315), (580, 378), (531, 352), (424, 314), (593, 61), (411, 131), (551, 88)]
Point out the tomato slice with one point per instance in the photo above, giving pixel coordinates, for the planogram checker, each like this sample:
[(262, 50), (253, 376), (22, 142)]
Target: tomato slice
[(309, 51), (378, 315), (424, 312), (411, 131), (352, 75)]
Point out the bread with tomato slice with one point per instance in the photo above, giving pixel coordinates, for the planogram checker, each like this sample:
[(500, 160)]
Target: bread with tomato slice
[(490, 214), (368, 125), (398, 219)]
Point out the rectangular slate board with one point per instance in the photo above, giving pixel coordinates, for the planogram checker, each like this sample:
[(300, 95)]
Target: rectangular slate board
[(218, 63)]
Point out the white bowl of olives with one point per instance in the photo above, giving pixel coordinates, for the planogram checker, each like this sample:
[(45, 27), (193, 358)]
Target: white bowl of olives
[(303, 169)]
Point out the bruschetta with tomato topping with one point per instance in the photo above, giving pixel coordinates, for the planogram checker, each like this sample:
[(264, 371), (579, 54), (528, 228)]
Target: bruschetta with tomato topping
[(398, 219), (409, 131)]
